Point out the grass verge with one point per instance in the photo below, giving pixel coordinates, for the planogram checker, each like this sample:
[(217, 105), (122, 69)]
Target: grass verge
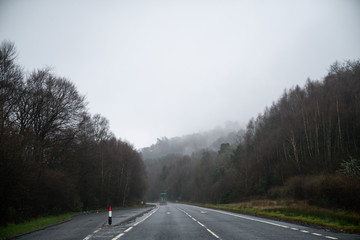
[(12, 230), (299, 212)]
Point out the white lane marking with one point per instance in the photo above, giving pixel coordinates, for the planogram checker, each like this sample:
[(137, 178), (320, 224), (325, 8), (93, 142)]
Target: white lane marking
[(200, 224), (127, 230), (118, 236), (216, 236), (121, 234), (317, 234), (212, 233), (249, 218), (146, 217), (330, 237), (92, 234), (267, 222)]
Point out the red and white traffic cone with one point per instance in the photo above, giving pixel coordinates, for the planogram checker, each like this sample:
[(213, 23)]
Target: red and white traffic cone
[(110, 216)]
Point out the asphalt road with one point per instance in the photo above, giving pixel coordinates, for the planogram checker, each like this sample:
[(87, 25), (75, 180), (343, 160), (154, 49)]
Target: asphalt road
[(179, 221), (82, 226)]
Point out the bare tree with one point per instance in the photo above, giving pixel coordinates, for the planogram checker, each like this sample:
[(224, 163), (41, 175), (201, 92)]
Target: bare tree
[(11, 76)]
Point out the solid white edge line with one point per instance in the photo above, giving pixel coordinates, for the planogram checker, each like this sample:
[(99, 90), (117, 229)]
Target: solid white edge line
[(251, 219), (263, 221)]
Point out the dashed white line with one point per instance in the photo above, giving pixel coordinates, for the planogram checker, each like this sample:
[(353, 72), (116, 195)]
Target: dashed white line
[(330, 237), (200, 224), (212, 233), (317, 234)]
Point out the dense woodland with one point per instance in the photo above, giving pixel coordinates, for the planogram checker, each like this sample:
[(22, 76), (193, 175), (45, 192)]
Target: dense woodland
[(54, 155), (305, 146)]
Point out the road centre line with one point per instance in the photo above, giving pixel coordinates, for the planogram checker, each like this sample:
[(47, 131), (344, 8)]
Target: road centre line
[(216, 236), (266, 222)]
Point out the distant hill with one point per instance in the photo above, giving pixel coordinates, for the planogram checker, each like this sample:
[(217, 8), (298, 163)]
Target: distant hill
[(187, 144)]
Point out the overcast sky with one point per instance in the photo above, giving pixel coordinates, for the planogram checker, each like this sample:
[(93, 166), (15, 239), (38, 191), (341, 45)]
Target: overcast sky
[(170, 68)]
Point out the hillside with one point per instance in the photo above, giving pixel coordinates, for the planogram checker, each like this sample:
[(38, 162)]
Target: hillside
[(188, 144), (305, 146)]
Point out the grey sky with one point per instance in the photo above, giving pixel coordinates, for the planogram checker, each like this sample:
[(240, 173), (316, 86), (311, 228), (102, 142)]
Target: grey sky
[(169, 68)]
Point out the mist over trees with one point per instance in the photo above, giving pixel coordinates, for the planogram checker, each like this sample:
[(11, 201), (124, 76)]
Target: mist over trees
[(186, 145), (305, 146), (54, 155)]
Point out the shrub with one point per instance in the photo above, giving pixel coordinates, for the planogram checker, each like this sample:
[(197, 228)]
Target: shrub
[(350, 168), (334, 191)]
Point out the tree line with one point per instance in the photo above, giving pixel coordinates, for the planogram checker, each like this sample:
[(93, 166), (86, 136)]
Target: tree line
[(305, 146), (54, 155)]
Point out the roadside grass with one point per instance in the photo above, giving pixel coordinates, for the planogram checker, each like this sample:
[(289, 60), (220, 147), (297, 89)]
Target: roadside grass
[(296, 211), (12, 230)]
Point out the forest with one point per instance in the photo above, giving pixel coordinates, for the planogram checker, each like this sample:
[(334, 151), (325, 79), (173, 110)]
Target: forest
[(306, 146), (55, 156)]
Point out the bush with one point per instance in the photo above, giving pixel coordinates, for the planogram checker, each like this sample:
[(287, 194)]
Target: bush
[(295, 187), (351, 168), (334, 191), (277, 192)]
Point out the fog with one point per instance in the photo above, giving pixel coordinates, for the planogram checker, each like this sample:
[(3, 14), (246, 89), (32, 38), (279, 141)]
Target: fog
[(172, 68), (189, 144)]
